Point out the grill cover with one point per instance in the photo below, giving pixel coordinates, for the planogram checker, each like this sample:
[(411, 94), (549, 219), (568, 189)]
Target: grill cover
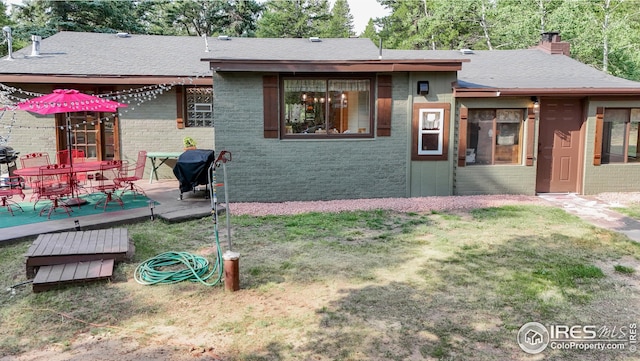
[(7, 154), (191, 168)]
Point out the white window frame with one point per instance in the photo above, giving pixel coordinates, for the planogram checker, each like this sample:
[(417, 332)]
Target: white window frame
[(431, 121)]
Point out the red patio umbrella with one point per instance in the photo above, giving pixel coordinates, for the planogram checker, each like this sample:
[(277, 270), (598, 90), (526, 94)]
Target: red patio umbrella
[(69, 101)]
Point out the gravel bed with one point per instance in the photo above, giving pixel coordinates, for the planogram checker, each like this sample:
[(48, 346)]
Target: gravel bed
[(417, 204), (619, 198)]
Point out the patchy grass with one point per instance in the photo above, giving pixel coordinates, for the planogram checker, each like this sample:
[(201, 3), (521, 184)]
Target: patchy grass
[(624, 269), (375, 285), (630, 210)]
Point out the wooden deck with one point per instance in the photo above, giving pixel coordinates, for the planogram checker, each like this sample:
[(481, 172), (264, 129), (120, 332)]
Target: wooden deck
[(52, 276), (76, 249)]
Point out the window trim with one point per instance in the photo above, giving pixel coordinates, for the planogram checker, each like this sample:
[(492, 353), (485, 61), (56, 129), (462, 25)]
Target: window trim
[(281, 121), (182, 113), (525, 148), (599, 141), (416, 132)]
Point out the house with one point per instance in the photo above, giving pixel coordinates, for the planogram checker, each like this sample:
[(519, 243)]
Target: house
[(316, 119), (338, 118), (161, 78)]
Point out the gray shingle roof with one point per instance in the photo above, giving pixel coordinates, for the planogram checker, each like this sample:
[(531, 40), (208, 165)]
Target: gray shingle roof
[(77, 53), (99, 54), (520, 69), (293, 49)]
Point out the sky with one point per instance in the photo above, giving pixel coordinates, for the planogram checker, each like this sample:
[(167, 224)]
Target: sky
[(362, 11)]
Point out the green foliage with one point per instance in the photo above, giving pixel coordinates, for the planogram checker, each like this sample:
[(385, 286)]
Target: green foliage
[(211, 17), (293, 19), (189, 142), (370, 32), (341, 23)]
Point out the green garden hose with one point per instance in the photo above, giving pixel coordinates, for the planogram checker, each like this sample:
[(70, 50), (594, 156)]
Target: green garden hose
[(165, 269)]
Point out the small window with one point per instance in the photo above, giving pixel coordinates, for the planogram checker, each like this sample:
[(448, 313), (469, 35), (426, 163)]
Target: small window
[(494, 136), (430, 131), (199, 107), (327, 108), (620, 136)]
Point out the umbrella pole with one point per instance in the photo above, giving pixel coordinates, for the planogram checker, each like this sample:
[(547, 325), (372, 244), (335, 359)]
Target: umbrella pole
[(74, 200)]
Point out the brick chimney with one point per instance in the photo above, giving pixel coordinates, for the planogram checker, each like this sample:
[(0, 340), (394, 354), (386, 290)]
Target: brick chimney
[(551, 43)]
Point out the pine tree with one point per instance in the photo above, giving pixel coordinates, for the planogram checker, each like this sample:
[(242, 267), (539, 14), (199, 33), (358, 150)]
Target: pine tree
[(341, 23)]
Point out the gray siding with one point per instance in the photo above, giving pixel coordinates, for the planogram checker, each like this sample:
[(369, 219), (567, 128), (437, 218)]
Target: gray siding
[(495, 179), (287, 170), (429, 177), (607, 177), (498, 179)]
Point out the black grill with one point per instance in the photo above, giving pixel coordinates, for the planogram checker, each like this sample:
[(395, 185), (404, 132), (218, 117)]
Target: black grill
[(191, 169), (7, 155)]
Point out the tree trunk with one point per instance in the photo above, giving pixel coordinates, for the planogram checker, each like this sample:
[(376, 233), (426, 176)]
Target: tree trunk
[(485, 26), (605, 36)]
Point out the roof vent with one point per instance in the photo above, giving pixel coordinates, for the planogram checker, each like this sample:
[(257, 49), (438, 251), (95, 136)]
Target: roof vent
[(224, 37), (35, 48), (314, 39), (466, 51), (123, 35)]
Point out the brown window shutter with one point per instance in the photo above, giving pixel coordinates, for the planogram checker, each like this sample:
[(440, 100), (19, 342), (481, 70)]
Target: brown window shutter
[(270, 95), (384, 106), (179, 107), (462, 139), (531, 125), (597, 147)]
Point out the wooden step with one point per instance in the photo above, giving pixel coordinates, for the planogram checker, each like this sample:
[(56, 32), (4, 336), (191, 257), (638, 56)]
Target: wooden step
[(55, 275), (82, 246)]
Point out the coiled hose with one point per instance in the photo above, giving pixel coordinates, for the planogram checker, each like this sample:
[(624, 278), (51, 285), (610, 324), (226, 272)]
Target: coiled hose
[(165, 269)]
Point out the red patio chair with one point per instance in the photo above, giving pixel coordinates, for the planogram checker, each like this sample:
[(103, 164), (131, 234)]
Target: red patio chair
[(133, 173), (12, 186), (33, 160), (108, 184), (52, 186), (77, 156)]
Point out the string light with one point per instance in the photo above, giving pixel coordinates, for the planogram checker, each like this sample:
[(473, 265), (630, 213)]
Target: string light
[(10, 96)]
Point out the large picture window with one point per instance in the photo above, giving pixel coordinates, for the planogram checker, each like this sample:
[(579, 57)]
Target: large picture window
[(620, 136), (494, 136), (327, 107), (199, 107)]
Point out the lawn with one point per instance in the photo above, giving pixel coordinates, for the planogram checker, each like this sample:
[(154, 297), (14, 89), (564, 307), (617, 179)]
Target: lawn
[(363, 285)]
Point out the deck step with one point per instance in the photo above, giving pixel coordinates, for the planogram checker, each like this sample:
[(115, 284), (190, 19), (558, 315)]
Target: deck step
[(55, 275), (82, 246)]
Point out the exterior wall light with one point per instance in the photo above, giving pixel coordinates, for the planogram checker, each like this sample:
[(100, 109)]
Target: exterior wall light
[(536, 105), (423, 88)]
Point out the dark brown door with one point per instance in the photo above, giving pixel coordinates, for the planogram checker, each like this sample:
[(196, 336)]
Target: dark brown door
[(559, 146)]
